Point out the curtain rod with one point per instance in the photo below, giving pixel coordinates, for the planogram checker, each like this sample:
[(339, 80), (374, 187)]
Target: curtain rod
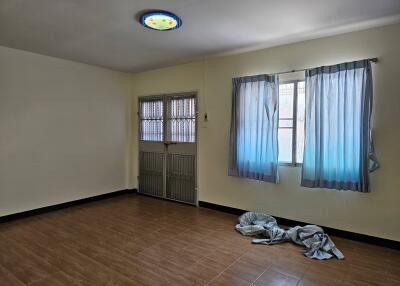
[(374, 60)]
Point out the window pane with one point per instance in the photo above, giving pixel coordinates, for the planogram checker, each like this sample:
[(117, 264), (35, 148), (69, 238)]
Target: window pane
[(301, 102), (181, 124), (285, 145), (286, 93), (285, 139), (151, 120), (285, 123)]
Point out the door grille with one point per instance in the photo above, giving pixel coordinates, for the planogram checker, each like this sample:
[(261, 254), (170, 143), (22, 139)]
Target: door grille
[(151, 173), (151, 119), (181, 178), (181, 119)]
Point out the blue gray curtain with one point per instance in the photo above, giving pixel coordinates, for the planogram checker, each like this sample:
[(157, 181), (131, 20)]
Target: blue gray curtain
[(338, 149), (254, 128)]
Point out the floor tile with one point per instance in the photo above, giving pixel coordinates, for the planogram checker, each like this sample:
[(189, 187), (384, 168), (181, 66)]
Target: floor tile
[(274, 278), (141, 241)]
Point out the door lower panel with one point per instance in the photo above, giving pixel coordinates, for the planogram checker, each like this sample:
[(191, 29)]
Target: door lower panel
[(181, 178), (151, 173)]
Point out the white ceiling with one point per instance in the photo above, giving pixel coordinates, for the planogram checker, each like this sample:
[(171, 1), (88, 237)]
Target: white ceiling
[(105, 32)]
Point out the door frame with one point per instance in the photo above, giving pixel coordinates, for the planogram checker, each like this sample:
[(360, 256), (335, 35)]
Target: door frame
[(164, 97)]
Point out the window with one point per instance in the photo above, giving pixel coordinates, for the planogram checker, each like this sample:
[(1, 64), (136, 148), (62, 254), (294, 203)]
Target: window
[(179, 113), (181, 119), (151, 119), (291, 122)]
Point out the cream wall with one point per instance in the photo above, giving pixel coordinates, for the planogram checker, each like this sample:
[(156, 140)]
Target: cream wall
[(376, 213), (64, 129)]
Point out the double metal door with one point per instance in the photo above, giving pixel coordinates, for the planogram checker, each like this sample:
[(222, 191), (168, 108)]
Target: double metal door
[(167, 146)]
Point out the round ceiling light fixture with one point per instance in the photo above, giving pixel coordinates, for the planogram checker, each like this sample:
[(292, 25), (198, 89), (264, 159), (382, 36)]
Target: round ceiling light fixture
[(160, 20)]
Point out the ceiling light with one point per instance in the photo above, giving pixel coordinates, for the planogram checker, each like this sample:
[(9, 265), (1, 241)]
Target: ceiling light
[(160, 20)]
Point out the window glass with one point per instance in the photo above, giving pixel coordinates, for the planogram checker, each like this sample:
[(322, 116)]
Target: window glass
[(291, 94), (181, 120), (285, 132), (301, 102), (151, 120), (286, 94), (285, 145)]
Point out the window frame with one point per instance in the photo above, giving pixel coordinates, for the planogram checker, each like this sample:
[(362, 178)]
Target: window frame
[(164, 98), (294, 128), (148, 98)]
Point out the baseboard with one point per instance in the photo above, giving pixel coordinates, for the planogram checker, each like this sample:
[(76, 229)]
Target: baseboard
[(331, 231), (64, 205)]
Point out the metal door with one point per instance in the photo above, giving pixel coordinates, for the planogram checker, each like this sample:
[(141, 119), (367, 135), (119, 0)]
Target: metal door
[(167, 146)]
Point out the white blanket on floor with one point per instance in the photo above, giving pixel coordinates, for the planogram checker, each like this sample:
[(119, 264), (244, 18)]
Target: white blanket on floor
[(317, 243)]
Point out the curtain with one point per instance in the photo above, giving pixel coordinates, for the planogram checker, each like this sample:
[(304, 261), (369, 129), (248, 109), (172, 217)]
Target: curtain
[(254, 128), (338, 149)]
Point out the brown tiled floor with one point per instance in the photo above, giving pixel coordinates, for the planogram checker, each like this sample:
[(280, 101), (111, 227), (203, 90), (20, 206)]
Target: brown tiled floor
[(136, 240)]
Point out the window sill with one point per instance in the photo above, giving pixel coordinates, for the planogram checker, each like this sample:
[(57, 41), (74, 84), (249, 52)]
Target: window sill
[(290, 164)]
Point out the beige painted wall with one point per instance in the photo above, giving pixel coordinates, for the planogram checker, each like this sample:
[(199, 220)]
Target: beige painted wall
[(64, 131), (374, 214)]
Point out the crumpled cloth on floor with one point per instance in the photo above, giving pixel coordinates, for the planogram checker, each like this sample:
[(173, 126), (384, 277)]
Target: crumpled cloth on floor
[(317, 243)]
